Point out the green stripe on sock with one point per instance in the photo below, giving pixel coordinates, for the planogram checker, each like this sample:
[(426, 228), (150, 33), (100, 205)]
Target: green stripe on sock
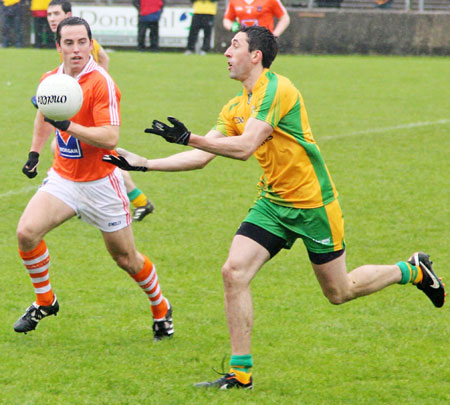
[(244, 362), (409, 272), (133, 194)]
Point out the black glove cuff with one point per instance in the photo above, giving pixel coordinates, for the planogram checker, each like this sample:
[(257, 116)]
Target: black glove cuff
[(33, 155), (184, 139), (61, 125)]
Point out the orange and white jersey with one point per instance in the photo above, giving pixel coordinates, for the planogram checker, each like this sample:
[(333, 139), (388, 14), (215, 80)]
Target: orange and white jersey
[(255, 12), (74, 159)]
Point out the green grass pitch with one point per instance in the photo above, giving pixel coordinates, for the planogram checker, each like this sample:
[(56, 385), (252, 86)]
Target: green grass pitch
[(383, 125)]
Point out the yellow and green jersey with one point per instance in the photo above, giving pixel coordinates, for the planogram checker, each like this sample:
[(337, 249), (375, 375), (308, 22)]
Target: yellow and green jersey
[(294, 173), (205, 7)]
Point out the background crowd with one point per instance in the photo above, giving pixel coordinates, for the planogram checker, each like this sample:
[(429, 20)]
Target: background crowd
[(268, 13)]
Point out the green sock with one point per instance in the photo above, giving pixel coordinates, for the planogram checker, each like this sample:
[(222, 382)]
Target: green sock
[(134, 194), (242, 363), (409, 272)]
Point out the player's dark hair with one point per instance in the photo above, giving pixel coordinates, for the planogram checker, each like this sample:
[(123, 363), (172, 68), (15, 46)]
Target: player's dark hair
[(65, 5), (72, 21), (261, 39)]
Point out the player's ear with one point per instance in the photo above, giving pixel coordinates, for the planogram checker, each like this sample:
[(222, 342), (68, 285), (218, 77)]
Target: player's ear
[(256, 56), (69, 14), (58, 47)]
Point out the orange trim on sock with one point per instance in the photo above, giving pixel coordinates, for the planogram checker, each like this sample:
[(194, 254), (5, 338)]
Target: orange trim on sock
[(159, 311), (144, 272), (45, 299), (39, 250), (41, 298)]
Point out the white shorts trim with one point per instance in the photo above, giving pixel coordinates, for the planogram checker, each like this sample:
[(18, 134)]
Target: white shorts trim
[(103, 203)]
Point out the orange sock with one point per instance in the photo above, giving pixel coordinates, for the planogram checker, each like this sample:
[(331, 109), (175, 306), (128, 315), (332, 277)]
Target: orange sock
[(37, 263), (148, 281)]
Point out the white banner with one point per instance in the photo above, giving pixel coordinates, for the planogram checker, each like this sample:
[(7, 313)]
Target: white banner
[(117, 25)]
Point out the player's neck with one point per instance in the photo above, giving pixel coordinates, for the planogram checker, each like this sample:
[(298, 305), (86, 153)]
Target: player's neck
[(250, 81), (70, 72)]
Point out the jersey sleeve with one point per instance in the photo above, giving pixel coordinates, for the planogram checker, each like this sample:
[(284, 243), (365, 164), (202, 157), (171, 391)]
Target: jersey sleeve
[(230, 12), (106, 110), (278, 9)]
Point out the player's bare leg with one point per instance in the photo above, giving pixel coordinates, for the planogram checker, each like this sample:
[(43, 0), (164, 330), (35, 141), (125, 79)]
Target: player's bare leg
[(339, 286), (43, 213), (244, 260), (121, 246)]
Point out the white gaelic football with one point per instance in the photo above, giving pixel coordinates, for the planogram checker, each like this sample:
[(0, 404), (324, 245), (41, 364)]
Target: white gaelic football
[(59, 97)]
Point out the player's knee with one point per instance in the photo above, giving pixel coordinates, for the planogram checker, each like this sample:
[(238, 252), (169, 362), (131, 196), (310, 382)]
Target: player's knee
[(336, 296), (25, 235), (123, 261), (231, 273), (336, 299)]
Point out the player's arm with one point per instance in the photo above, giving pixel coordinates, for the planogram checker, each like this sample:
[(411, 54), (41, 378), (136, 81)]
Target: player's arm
[(236, 147), (184, 161), (282, 24), (106, 136), (41, 132), (229, 17), (103, 59), (189, 160), (227, 24)]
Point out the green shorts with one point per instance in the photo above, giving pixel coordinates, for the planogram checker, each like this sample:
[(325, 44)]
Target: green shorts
[(322, 229)]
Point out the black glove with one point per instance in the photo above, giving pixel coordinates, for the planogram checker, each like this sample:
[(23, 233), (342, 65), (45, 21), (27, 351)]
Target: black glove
[(122, 163), (29, 169), (176, 134), (61, 125)]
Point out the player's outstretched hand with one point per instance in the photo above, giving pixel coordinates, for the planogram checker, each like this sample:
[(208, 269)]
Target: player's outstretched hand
[(61, 125), (176, 134), (30, 168), (127, 160)]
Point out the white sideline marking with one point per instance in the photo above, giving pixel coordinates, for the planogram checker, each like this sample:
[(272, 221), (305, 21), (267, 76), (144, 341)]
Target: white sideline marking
[(385, 129), (22, 190)]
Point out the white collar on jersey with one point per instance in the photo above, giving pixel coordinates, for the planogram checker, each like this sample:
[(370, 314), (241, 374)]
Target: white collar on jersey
[(88, 67)]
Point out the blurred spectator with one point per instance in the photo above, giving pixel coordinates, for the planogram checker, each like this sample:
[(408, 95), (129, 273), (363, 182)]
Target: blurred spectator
[(329, 3), (256, 12), (203, 19), (12, 23), (149, 14), (43, 36)]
